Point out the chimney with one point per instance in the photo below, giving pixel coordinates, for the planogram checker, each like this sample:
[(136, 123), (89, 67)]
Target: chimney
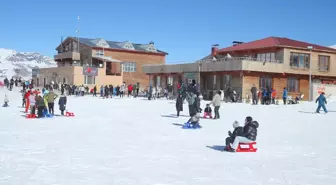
[(236, 43), (214, 50)]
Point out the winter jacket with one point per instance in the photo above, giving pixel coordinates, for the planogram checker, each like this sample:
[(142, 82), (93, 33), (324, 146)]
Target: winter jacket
[(285, 93), (254, 90), (32, 100), (216, 100), (250, 130), (40, 101), (6, 99), (321, 100), (51, 96), (264, 93), (192, 102), (62, 102), (273, 93), (208, 110), (191, 98), (179, 104), (237, 132)]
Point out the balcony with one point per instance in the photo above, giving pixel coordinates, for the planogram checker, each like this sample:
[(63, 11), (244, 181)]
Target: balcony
[(67, 56)]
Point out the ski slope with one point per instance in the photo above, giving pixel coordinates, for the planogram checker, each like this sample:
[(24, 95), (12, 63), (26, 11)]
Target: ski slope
[(137, 142)]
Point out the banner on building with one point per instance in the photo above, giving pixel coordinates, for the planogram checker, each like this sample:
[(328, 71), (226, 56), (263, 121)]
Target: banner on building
[(90, 71)]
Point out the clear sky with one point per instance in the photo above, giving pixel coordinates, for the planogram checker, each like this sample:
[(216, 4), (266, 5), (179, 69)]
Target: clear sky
[(185, 29)]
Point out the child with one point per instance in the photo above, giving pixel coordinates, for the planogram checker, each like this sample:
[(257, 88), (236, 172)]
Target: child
[(6, 101), (321, 103), (207, 111), (179, 104), (238, 130), (62, 103), (32, 102)]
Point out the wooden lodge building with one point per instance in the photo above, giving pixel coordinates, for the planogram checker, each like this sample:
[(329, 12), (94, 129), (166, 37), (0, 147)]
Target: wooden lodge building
[(270, 62), (84, 61)]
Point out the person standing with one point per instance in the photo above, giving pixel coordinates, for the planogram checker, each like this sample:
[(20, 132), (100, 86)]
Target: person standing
[(62, 103), (95, 91), (321, 100), (254, 95), (40, 106), (179, 104), (51, 99), (216, 102), (284, 95)]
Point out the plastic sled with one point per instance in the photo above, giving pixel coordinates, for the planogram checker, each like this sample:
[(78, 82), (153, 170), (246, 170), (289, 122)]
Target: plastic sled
[(30, 116), (191, 126), (69, 114), (5, 105), (247, 147)]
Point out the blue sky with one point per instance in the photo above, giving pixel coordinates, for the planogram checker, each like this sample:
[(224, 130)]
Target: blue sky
[(185, 29)]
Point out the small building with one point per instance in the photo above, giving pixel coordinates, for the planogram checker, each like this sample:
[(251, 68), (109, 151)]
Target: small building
[(100, 62), (272, 62)]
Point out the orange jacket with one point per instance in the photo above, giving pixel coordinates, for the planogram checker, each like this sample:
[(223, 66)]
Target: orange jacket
[(273, 94)]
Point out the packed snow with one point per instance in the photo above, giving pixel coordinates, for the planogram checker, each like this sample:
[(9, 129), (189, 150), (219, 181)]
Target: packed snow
[(133, 141)]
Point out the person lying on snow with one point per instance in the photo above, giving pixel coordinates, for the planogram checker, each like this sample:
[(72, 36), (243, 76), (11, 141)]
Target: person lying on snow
[(238, 131), (249, 134), (6, 101)]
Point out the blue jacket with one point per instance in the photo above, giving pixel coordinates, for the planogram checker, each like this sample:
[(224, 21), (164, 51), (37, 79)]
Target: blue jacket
[(285, 93), (321, 100), (264, 93)]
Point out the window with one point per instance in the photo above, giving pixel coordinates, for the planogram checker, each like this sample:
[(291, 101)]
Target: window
[(170, 80), (324, 63), (129, 67), (268, 57), (265, 82), (158, 81), (99, 53), (299, 60), (293, 84), (89, 80)]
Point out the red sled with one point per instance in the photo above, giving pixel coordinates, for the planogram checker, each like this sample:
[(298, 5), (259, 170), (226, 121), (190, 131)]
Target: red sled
[(69, 114), (247, 147), (30, 116), (206, 115)]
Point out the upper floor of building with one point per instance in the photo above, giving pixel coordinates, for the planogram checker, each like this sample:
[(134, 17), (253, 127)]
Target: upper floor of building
[(272, 54)]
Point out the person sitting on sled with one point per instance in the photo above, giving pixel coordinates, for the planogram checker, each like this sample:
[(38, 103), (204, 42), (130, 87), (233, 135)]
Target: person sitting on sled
[(249, 134), (207, 111), (194, 108), (6, 101), (238, 131)]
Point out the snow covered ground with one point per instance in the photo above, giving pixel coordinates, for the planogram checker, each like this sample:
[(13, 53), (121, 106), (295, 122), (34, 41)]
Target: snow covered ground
[(137, 142)]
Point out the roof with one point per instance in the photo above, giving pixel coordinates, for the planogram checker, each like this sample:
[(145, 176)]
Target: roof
[(116, 45), (275, 42)]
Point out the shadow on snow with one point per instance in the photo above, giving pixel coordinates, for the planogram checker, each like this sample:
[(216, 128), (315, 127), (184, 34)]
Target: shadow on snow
[(217, 147)]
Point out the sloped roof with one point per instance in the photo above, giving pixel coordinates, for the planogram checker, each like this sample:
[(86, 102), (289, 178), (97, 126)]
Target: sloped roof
[(116, 45), (275, 42)]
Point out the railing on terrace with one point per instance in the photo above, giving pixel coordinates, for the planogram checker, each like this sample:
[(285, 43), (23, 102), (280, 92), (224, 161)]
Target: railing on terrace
[(240, 58), (79, 65)]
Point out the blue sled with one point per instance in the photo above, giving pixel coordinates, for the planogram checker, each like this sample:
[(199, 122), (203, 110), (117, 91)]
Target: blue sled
[(190, 126), (46, 114)]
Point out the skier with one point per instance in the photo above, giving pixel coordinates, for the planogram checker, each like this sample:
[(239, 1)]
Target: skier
[(321, 103)]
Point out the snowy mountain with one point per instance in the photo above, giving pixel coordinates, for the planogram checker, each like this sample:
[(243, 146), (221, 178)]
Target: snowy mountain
[(334, 46), (13, 63)]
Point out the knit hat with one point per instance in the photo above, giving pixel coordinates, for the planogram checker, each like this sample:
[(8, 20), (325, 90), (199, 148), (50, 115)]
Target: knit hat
[(235, 124)]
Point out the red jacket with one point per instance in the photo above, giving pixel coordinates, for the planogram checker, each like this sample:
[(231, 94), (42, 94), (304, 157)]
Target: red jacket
[(27, 95), (130, 88)]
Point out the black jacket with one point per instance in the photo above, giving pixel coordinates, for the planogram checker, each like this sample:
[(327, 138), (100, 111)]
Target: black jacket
[(62, 102), (179, 104), (208, 110), (250, 130), (237, 132)]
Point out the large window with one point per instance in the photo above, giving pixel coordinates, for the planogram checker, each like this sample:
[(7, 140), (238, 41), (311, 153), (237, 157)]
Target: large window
[(299, 60), (99, 53), (293, 84), (89, 80), (129, 67), (268, 57), (265, 82), (324, 62)]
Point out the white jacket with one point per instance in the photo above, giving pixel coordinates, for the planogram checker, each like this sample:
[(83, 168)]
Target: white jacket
[(32, 100), (216, 100), (6, 99)]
